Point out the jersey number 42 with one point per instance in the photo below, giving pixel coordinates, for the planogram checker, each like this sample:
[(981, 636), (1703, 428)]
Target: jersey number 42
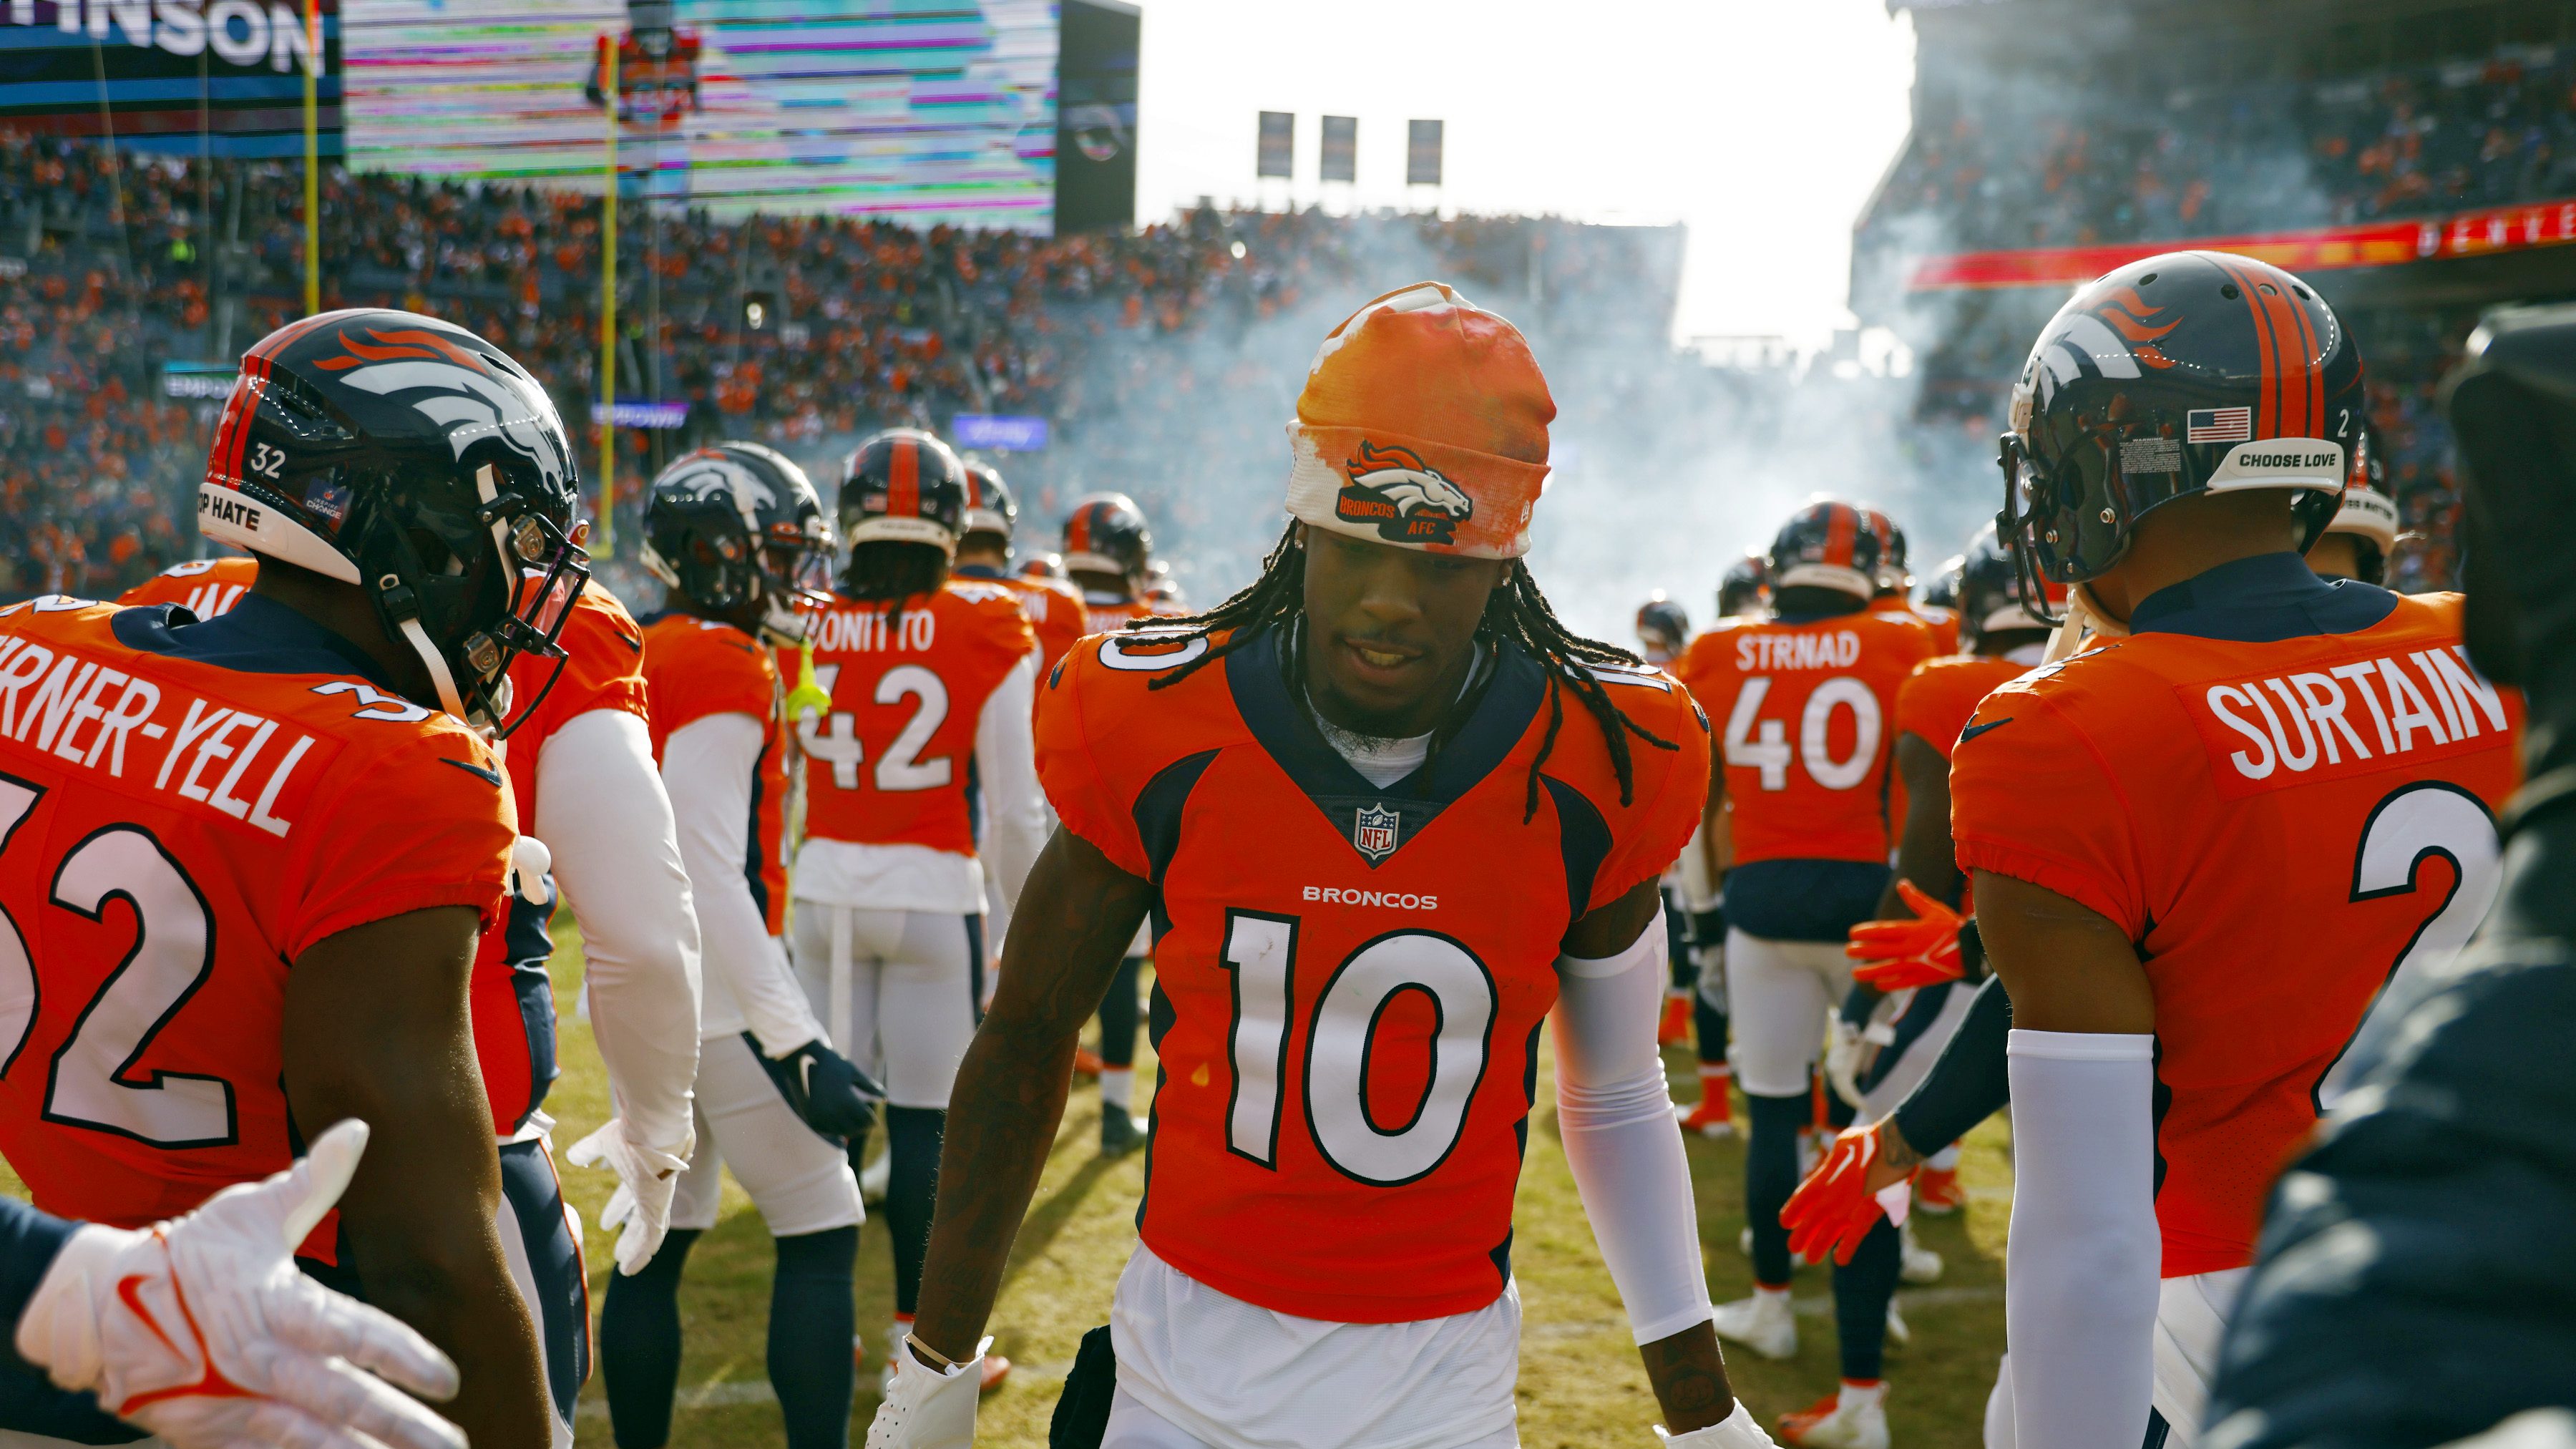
[(901, 766)]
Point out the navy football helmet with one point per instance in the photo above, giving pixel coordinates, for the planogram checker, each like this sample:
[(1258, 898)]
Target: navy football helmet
[(1828, 544), (739, 531), (2186, 373), (1663, 627), (905, 486), (416, 461), (1106, 534), (1745, 584)]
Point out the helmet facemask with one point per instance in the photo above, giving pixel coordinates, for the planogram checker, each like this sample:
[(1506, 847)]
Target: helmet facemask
[(469, 593)]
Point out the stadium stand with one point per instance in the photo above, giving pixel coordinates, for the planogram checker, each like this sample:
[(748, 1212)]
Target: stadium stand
[(107, 273), (2190, 130)]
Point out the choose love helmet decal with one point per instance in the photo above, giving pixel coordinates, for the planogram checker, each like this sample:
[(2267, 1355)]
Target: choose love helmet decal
[(1423, 424)]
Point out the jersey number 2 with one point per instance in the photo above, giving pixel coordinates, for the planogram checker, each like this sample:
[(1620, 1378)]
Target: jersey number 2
[(2429, 817), (1261, 955), (172, 955)]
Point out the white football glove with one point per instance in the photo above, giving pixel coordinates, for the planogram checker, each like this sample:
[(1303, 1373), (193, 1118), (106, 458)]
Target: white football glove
[(646, 1178), (1847, 1055), (1738, 1430), (927, 1409), (202, 1330)]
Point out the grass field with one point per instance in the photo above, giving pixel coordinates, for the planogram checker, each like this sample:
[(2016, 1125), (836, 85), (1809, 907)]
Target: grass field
[(1580, 1387)]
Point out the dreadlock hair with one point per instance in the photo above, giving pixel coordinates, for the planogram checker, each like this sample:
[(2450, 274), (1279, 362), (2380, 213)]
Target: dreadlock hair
[(890, 570), (1515, 613)]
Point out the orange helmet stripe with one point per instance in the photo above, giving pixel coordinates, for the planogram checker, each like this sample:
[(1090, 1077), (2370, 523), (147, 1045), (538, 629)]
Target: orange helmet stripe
[(1841, 523), (903, 480)]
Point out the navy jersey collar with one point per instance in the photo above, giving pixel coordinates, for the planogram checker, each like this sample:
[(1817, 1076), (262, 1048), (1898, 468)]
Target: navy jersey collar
[(257, 635), (978, 571), (1257, 675), (2262, 600)]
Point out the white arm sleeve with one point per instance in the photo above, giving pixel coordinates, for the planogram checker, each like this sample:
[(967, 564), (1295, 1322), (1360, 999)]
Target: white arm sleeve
[(708, 766), (2081, 1265), (601, 809), (1699, 893), (1006, 769), (1616, 1117)]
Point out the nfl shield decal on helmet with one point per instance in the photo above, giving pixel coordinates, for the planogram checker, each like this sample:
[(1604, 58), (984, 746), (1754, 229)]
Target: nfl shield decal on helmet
[(1373, 830)]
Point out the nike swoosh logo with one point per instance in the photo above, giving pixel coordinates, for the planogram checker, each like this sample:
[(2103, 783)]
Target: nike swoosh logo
[(126, 1291), (489, 777), (1972, 731)]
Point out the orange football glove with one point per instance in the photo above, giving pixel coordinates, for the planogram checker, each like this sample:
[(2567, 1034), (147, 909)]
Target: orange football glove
[(1834, 1208), (1900, 955)]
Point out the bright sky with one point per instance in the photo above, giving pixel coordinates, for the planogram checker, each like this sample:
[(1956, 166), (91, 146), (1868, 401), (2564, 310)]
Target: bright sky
[(1762, 124)]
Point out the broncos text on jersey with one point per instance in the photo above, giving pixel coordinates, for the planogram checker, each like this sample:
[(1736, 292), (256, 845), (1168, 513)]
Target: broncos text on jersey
[(183, 813), (890, 763), (2264, 820), (1350, 979)]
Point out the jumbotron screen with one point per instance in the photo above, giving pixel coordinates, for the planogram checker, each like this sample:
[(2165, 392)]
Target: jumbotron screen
[(926, 110)]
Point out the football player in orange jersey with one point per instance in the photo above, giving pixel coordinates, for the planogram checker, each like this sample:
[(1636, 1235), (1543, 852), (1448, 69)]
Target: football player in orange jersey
[(737, 534), (1896, 1038), (580, 767), (1056, 615), (2200, 848), (1809, 837), (931, 679), (2357, 544), (1895, 592), (1385, 814), (1663, 631), (1743, 591), (204, 587), (1054, 607), (249, 876), (1108, 553)]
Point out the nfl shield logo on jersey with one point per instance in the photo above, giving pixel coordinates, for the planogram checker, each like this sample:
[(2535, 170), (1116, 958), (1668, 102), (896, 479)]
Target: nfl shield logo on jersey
[(1373, 831)]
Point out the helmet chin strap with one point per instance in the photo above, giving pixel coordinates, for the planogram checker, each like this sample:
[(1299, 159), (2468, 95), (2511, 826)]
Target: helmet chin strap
[(2084, 619), (448, 698)]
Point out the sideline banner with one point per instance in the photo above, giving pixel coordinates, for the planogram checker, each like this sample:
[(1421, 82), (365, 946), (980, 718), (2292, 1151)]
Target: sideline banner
[(2483, 232)]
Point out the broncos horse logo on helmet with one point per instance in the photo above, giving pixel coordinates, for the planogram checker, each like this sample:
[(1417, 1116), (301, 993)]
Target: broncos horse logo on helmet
[(1405, 497)]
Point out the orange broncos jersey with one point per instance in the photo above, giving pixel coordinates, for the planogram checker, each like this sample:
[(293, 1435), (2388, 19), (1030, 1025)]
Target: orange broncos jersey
[(1054, 609), (1803, 710), (1933, 704), (1353, 978), (183, 813), (889, 765), (1938, 698), (1944, 623), (2254, 816), (204, 587), (696, 668), (512, 997)]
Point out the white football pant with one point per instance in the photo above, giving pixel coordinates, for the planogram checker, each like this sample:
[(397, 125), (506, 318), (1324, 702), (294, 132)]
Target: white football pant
[(900, 992), (1778, 994), (800, 1182)]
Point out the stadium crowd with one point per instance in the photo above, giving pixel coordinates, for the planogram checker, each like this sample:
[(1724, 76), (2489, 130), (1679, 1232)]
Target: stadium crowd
[(2014, 166), (801, 332)]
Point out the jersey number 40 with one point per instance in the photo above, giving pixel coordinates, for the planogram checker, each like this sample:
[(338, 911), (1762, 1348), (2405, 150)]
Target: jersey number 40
[(1763, 744)]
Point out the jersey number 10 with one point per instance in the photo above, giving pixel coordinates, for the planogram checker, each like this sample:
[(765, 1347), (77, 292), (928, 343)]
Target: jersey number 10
[(1261, 955)]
